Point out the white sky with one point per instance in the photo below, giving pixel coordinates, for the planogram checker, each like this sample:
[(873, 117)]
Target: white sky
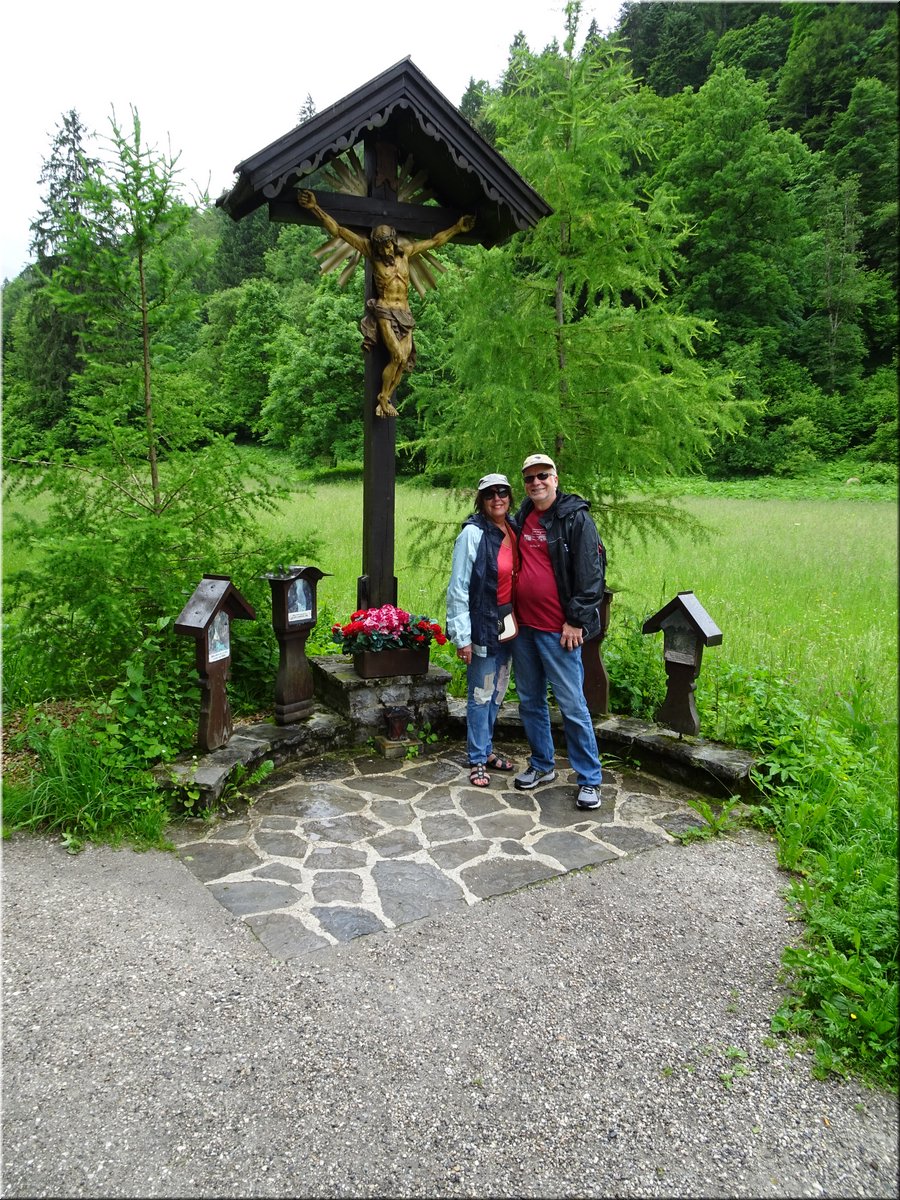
[(218, 82)]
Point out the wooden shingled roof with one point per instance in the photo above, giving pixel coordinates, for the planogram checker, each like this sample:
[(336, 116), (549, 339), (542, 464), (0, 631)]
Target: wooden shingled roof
[(401, 106)]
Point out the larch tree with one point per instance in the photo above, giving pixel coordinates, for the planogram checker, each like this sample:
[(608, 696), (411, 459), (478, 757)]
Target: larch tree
[(564, 339)]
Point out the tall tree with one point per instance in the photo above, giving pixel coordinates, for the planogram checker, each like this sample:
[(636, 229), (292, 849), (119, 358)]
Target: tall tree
[(734, 178), (151, 499), (585, 358), (40, 352)]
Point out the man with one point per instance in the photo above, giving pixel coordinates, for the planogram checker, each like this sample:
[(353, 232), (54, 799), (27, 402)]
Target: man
[(389, 315), (558, 594)]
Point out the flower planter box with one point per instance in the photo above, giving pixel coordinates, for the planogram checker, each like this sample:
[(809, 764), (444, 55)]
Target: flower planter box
[(379, 664)]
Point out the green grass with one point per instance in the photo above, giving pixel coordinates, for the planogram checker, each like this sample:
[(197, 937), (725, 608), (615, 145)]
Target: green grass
[(804, 588)]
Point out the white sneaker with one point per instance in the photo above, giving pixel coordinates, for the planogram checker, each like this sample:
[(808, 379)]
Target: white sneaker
[(588, 797), (531, 777)]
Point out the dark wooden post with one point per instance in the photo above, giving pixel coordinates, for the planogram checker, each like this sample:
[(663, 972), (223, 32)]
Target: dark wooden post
[(596, 679), (378, 585)]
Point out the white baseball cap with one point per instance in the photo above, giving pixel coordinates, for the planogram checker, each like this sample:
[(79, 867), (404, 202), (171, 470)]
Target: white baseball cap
[(539, 460), (492, 481)]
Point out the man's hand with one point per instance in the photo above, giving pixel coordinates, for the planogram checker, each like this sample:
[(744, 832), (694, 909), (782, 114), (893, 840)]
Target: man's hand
[(572, 636), (306, 198), (465, 653), (466, 223)]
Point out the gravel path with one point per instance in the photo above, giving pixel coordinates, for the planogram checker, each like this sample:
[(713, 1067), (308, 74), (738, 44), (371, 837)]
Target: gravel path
[(569, 1039)]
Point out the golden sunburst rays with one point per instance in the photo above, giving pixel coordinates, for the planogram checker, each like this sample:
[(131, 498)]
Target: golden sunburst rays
[(347, 175)]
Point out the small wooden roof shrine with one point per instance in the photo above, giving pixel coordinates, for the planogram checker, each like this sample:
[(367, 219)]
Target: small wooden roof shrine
[(402, 107), (688, 606)]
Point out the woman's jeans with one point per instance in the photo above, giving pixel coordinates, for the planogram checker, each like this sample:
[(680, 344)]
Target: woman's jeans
[(488, 679), (539, 659)]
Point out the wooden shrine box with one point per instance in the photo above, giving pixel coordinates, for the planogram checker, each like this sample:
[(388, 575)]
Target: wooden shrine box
[(686, 628), (294, 615), (207, 617)]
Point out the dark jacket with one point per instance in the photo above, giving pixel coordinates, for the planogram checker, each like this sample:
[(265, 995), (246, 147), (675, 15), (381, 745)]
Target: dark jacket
[(477, 580), (575, 555)]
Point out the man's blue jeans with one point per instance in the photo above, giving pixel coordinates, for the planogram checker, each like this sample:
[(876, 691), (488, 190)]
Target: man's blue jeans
[(539, 659), (488, 679)]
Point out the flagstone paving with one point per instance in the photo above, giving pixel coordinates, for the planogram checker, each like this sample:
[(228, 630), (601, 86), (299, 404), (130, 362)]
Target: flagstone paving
[(342, 847)]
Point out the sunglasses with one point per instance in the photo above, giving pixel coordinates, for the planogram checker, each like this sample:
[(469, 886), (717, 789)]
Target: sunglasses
[(541, 475), (499, 493)]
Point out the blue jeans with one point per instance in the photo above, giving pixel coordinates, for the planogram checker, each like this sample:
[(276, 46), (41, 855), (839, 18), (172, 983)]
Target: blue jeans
[(488, 679), (539, 659)]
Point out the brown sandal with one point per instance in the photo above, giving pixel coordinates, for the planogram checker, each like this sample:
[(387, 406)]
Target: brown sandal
[(497, 762), (478, 776)]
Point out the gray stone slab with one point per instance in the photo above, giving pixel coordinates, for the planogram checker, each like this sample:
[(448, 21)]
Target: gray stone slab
[(445, 827), (278, 823), (257, 896), (345, 924), (392, 786), (571, 850), (317, 770), (281, 844), (212, 860), (281, 872), (395, 843), (639, 808), (345, 830), (556, 807), (479, 803), (332, 858), (513, 848), (285, 937), (374, 765), (392, 812), (506, 824), (632, 839), (337, 887), (498, 876), (310, 800), (454, 854), (437, 799), (232, 831), (410, 891), (433, 772)]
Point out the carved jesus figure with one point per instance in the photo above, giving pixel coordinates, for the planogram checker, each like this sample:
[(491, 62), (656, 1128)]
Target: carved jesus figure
[(388, 316)]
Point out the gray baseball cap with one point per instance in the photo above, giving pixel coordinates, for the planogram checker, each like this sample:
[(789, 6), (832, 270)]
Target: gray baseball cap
[(494, 480)]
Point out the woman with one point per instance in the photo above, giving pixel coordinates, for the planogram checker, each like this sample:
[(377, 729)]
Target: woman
[(481, 582)]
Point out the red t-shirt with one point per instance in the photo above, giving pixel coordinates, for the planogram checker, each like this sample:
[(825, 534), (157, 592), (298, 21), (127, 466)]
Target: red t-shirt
[(537, 598), (504, 571)]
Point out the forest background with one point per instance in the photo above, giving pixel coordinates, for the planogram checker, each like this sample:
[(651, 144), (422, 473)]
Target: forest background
[(713, 297)]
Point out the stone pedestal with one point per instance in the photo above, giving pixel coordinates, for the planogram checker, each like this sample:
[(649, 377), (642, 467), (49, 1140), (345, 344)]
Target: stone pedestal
[(371, 664), (365, 703)]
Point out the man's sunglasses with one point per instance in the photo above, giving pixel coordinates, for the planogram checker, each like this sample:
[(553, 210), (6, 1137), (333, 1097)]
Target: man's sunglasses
[(499, 493), (541, 475)]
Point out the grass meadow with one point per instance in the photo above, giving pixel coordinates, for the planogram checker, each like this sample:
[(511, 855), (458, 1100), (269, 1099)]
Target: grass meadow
[(804, 588)]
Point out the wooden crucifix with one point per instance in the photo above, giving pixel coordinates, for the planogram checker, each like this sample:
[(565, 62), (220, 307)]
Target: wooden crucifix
[(408, 133), (387, 328)]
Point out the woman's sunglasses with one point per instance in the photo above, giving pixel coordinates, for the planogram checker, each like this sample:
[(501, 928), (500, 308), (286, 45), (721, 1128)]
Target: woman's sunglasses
[(541, 475), (499, 493)]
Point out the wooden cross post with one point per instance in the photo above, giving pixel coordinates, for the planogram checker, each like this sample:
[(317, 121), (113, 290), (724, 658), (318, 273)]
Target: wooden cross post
[(378, 584)]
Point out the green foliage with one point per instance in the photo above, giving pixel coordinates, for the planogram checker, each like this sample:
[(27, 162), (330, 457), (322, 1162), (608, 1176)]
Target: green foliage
[(584, 349), (84, 795), (829, 793), (247, 354), (718, 818), (637, 680), (314, 404)]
